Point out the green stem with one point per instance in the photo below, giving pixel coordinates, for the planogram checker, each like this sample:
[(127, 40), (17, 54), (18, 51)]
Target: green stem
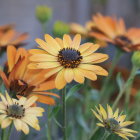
[(107, 80), (44, 30), (95, 130), (128, 90), (2, 134), (9, 133), (126, 86), (64, 113), (105, 136), (49, 126)]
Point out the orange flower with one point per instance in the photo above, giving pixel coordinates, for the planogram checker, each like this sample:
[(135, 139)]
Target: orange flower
[(6, 27), (22, 81), (84, 31), (114, 31), (8, 36)]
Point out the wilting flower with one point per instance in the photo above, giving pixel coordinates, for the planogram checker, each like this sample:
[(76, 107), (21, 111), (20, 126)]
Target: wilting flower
[(113, 122), (20, 113), (8, 36), (114, 31), (68, 59), (21, 81)]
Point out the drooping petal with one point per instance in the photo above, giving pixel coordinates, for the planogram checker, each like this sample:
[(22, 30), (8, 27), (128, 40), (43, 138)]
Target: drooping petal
[(68, 75), (78, 76), (60, 81), (6, 122), (18, 124)]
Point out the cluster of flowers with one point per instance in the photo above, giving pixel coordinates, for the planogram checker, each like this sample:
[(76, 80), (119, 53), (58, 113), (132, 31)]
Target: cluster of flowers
[(29, 74)]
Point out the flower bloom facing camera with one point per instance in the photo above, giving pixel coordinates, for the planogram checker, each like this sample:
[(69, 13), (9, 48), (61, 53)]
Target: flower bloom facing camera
[(20, 113), (113, 122), (67, 59)]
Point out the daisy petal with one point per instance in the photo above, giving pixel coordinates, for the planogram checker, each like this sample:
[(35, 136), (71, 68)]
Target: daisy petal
[(6, 122), (69, 75), (60, 81), (30, 101), (76, 41)]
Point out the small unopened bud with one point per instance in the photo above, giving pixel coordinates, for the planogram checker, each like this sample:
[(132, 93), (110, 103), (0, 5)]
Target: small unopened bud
[(43, 13), (136, 59), (60, 28)]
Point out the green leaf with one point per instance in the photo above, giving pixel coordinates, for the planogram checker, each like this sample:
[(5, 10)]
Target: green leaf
[(57, 123), (120, 81), (81, 120), (54, 112), (73, 90)]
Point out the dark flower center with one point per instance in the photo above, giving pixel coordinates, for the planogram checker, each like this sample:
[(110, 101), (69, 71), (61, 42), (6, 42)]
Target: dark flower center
[(19, 87), (69, 57), (15, 111), (112, 124), (125, 40)]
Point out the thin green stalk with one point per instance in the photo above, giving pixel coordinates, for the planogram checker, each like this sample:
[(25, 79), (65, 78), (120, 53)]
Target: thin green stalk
[(128, 90), (9, 133), (105, 136), (126, 86), (64, 113), (44, 30), (95, 130), (107, 80), (2, 134), (49, 126)]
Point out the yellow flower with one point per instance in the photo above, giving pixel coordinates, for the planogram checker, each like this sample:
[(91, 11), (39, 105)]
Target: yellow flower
[(114, 122), (68, 59), (20, 113), (79, 29)]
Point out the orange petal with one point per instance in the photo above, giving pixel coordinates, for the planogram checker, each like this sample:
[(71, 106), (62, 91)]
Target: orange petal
[(45, 99), (11, 52)]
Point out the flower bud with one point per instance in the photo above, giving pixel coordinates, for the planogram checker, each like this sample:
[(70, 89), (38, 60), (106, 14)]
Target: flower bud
[(60, 28), (136, 59), (43, 13)]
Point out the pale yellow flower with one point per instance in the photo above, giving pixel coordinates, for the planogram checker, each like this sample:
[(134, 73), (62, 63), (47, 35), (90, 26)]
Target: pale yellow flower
[(114, 122), (20, 113)]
